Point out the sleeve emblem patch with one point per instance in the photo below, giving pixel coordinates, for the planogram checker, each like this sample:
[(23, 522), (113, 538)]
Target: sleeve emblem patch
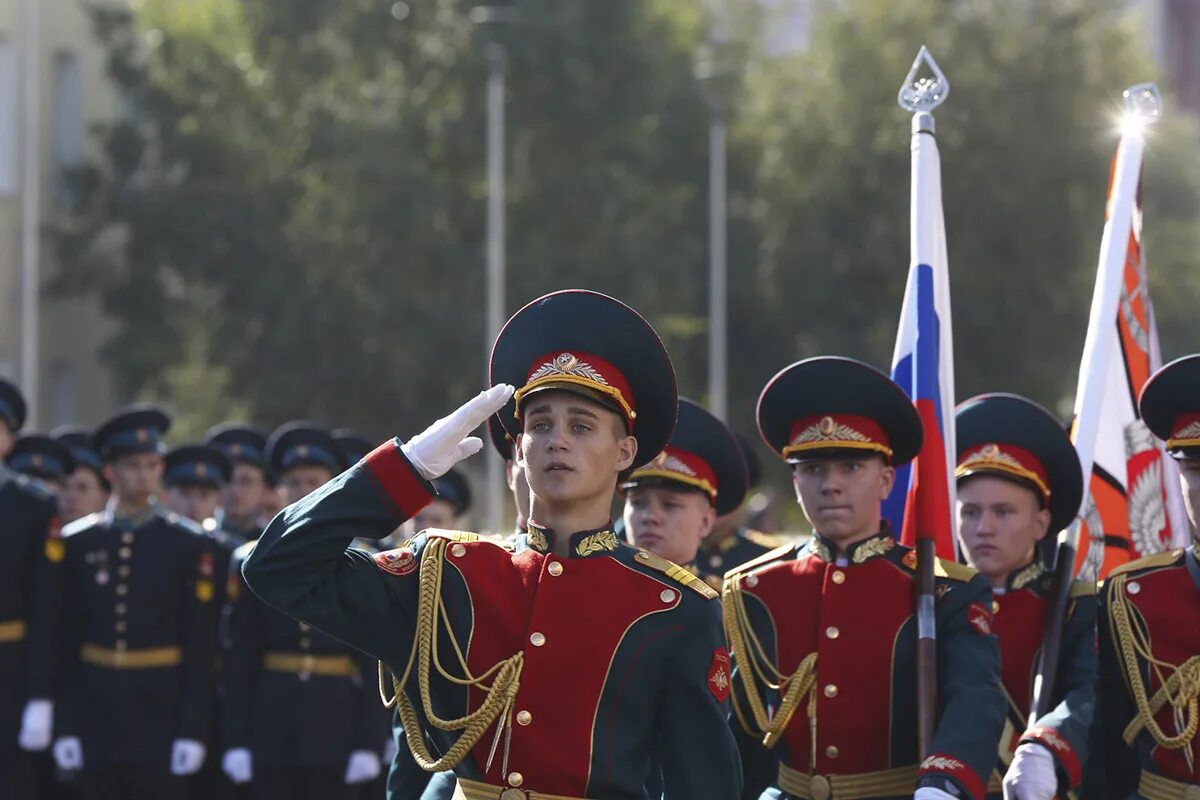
[(718, 675), (980, 617), (397, 562)]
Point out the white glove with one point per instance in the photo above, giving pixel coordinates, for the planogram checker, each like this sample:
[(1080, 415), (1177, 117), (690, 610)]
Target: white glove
[(444, 443), (37, 721), (1031, 775), (363, 766), (238, 765), (930, 793), (68, 753), (187, 756)]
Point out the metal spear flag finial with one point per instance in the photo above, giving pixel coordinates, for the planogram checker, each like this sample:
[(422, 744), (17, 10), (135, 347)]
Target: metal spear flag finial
[(1143, 101), (925, 87)]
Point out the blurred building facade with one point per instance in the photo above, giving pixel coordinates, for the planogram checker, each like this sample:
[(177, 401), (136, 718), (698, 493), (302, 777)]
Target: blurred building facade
[(74, 95)]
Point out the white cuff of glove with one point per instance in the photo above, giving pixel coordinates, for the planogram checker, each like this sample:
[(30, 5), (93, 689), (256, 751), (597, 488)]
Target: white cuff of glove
[(446, 442), (187, 756), (1031, 775), (37, 725), (68, 753), (930, 793), (362, 767), (238, 764)]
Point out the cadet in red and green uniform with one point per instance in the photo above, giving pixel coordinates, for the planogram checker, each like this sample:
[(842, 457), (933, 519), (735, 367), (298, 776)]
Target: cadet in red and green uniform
[(1146, 733), (672, 503), (1019, 483), (824, 633), (567, 662)]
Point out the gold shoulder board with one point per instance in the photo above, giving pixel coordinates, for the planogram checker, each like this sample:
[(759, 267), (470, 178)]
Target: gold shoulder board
[(454, 536), (765, 558), (763, 539), (1150, 562), (1083, 589), (953, 570), (676, 573)]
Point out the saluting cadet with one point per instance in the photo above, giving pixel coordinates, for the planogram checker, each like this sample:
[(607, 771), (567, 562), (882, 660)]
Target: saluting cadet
[(42, 458), (672, 503), (303, 717), (133, 611), (565, 661), (85, 490), (28, 526), (824, 633), (248, 484), (731, 543), (1019, 483), (1149, 628)]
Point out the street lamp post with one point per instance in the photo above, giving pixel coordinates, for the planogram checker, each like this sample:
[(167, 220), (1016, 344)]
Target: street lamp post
[(30, 206), (713, 72), (488, 16)]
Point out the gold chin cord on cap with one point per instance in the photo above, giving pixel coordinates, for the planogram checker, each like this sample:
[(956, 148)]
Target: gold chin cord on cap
[(500, 694), (1180, 687), (758, 673)]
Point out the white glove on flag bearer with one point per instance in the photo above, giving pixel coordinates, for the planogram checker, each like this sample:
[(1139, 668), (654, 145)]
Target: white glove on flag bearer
[(1031, 775)]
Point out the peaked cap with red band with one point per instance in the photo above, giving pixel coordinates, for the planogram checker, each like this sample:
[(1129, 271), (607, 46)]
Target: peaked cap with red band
[(1170, 406), (703, 455), (1010, 437), (595, 346), (832, 407)]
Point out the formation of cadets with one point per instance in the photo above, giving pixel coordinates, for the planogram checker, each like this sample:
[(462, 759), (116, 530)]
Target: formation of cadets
[(156, 641)]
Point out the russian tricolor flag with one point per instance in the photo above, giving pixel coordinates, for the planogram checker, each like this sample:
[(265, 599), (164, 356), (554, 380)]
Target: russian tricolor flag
[(923, 502)]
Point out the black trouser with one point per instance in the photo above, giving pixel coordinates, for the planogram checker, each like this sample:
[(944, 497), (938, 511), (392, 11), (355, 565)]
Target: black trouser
[(129, 782), (304, 783)]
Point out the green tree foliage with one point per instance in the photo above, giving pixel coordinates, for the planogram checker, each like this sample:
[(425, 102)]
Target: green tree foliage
[(304, 183)]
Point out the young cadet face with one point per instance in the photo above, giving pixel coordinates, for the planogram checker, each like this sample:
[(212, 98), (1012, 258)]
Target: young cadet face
[(572, 448), (438, 514), (1000, 524), (197, 503), (300, 482), (1189, 482), (135, 476), (841, 496), (244, 494), (82, 494), (668, 522)]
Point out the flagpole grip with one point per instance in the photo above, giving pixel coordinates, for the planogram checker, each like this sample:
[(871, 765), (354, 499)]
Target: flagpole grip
[(927, 701)]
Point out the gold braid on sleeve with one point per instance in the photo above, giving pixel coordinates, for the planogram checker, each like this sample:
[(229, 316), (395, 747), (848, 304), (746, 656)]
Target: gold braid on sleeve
[(757, 672), (1180, 687), (500, 693)]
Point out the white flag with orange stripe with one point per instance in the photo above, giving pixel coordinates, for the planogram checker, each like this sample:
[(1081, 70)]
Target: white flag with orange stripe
[(1133, 507)]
